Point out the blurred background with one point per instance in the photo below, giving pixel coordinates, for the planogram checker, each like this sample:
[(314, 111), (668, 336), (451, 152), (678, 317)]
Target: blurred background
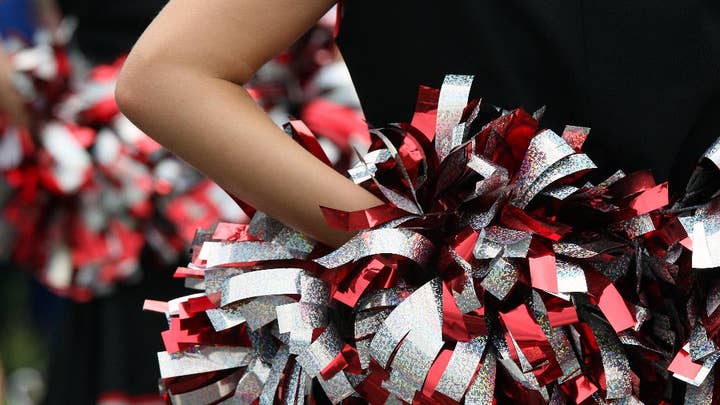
[(94, 215)]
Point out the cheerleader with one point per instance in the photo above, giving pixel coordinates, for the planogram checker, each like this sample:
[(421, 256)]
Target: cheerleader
[(644, 76), (605, 67)]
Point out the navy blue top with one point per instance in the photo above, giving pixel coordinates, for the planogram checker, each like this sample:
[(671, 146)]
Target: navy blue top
[(16, 18)]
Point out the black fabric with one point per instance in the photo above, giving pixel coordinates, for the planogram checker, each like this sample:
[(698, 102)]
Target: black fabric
[(644, 75), (109, 28), (109, 345)]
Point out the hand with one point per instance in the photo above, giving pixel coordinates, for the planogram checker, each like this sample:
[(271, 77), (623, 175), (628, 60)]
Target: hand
[(11, 103)]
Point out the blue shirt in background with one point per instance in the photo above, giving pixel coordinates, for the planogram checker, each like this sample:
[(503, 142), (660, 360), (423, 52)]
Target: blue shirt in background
[(16, 18)]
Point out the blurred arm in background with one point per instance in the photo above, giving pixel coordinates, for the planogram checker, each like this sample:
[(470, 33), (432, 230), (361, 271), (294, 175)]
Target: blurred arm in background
[(11, 103), (48, 14), (182, 84)]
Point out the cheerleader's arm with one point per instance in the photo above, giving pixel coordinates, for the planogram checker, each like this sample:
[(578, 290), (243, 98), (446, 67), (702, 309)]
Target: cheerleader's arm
[(11, 103), (182, 85)]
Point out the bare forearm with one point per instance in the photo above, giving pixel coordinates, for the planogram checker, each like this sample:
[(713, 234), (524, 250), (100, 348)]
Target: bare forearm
[(181, 84), (48, 14), (11, 102), (215, 125)]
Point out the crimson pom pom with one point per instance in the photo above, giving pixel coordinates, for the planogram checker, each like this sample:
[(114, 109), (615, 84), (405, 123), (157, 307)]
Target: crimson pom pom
[(86, 189), (493, 273)]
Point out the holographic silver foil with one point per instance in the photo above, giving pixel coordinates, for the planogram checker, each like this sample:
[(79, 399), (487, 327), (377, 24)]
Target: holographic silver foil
[(414, 358), (416, 326), (401, 166), (453, 99), (399, 200), (615, 362), (337, 388), (215, 277), (573, 250), (224, 319), (637, 226), (321, 352), (292, 385), (261, 282), (495, 240), (700, 346), (561, 192), (400, 242), (482, 389), (224, 253), (570, 277), (367, 323), (704, 231), (300, 319), (461, 368), (389, 297), (704, 393), (563, 168), (494, 176), (545, 149), (365, 169), (250, 385), (202, 359), (713, 153), (271, 230), (267, 397), (261, 310), (501, 279), (419, 310), (467, 300), (209, 393)]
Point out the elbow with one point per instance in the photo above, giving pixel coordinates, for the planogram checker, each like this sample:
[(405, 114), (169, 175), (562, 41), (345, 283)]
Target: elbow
[(129, 95)]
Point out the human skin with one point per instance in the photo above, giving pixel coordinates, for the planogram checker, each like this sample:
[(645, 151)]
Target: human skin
[(48, 14), (11, 103), (182, 84)]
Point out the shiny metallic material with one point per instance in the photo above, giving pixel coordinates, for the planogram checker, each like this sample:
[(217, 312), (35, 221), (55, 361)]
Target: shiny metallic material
[(453, 99)]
